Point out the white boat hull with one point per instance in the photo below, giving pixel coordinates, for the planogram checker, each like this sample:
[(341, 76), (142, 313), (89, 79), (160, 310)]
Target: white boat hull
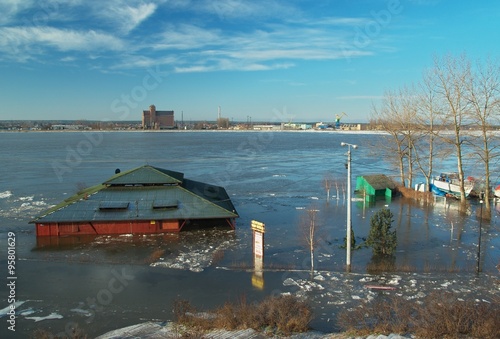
[(450, 186)]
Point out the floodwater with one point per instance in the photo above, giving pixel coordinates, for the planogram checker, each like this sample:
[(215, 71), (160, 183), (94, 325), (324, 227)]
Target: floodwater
[(107, 282)]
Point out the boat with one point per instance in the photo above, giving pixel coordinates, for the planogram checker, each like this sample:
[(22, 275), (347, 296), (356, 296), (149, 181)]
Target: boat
[(497, 192), (377, 287), (448, 184)]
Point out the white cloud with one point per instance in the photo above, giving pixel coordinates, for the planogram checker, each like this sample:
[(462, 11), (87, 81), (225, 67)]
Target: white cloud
[(271, 38), (185, 36), (203, 49), (237, 9), (132, 62), (340, 21), (68, 59), (124, 15), (9, 9), (23, 43)]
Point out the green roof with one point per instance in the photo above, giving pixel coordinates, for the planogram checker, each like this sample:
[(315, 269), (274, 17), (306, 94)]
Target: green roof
[(379, 181), (146, 175), (144, 193)]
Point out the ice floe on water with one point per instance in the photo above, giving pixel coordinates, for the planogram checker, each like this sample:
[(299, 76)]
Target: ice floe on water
[(21, 207), (82, 312), (4, 311), (5, 194), (194, 256), (346, 290), (52, 315)]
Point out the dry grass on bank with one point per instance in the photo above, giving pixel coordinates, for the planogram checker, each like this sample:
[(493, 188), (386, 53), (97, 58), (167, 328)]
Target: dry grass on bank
[(72, 333), (440, 315), (279, 315), (425, 197)]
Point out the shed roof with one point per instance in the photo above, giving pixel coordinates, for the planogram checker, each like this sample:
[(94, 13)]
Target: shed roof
[(379, 181), (144, 193)]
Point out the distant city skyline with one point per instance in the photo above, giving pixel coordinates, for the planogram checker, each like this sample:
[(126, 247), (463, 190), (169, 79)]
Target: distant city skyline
[(270, 61)]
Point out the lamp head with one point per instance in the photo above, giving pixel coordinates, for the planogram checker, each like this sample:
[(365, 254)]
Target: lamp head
[(354, 146), (342, 144)]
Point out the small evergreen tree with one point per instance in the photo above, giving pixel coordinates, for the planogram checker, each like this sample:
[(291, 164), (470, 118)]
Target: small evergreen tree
[(381, 239)]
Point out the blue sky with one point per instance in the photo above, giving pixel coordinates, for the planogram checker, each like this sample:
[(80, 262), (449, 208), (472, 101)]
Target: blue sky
[(261, 60)]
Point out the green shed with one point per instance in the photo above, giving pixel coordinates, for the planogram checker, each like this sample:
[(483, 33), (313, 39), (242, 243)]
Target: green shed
[(375, 185)]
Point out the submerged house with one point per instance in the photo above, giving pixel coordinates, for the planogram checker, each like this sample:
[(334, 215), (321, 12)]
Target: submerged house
[(375, 186), (146, 199)]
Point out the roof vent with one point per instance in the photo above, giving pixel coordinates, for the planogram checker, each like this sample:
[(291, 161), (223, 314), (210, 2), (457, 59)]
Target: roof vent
[(113, 205)]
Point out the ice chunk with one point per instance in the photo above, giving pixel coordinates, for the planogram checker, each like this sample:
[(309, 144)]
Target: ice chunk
[(5, 194), (394, 281), (50, 316), (4, 311), (289, 282)]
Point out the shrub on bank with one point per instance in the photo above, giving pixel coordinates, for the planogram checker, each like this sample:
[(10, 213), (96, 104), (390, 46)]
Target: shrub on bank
[(278, 314), (440, 315)]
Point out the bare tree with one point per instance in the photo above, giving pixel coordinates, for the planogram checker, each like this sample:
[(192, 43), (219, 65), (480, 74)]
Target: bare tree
[(450, 76), (397, 117), (309, 228), (427, 118), (223, 123), (393, 145), (327, 184), (409, 128), (483, 94)]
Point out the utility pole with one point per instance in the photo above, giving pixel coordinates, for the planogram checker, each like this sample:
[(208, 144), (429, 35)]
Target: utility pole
[(348, 236), (479, 240)]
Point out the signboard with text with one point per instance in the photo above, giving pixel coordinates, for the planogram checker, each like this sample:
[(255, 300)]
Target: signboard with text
[(258, 226), (258, 248), (258, 253)]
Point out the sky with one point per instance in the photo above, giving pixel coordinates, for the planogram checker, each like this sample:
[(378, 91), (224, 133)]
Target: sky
[(268, 61)]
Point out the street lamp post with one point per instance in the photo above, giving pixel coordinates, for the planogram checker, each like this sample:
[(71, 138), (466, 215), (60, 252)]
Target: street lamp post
[(479, 240), (348, 237)]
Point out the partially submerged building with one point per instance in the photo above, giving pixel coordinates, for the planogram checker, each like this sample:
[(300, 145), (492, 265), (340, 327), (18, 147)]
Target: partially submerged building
[(375, 186), (146, 199)]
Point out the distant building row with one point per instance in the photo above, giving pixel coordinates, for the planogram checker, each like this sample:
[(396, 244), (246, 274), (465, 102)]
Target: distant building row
[(153, 119)]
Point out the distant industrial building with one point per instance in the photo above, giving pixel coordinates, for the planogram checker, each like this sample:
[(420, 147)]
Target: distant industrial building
[(153, 119), (146, 199)]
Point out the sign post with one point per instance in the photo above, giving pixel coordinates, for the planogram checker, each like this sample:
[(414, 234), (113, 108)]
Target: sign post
[(258, 229)]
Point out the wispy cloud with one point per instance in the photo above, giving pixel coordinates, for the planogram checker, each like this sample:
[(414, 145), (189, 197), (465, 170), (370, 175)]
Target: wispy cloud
[(124, 15), (186, 36), (23, 43), (204, 49), (273, 34), (68, 59), (11, 8), (238, 9), (339, 21)]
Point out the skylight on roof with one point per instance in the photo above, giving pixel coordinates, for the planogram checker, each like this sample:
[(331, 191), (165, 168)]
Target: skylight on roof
[(113, 205), (165, 204)]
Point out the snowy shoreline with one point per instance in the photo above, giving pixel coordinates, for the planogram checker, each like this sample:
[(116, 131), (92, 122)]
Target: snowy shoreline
[(150, 330)]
